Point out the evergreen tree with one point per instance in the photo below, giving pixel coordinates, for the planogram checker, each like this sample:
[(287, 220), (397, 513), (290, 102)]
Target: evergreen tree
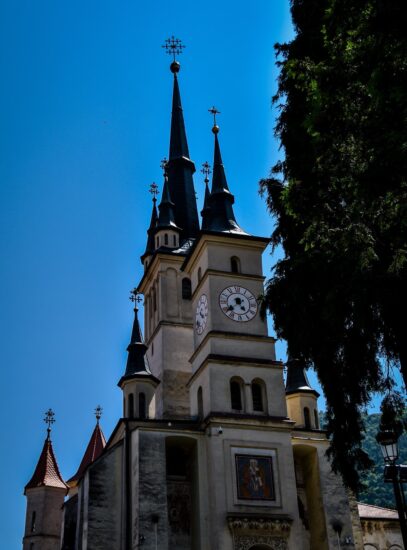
[(339, 295)]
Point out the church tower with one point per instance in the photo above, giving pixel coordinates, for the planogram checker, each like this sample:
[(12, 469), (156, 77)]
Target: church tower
[(45, 494), (212, 451)]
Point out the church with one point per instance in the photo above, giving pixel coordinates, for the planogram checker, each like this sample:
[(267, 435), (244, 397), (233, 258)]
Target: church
[(212, 451)]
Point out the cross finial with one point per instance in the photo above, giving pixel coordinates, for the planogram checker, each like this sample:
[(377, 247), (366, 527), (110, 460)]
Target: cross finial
[(98, 413), (154, 191), (163, 165), (49, 419), (173, 46), (213, 110), (135, 298), (206, 170)]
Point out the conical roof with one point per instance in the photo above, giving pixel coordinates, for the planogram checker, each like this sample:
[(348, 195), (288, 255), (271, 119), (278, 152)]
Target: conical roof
[(220, 216), (297, 380), (206, 209), (137, 362), (180, 169), (166, 218), (94, 449), (150, 247), (46, 473)]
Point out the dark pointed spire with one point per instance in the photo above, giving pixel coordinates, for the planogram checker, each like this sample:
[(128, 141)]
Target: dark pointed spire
[(206, 170), (297, 380), (150, 247), (166, 218), (221, 216), (137, 362), (180, 168)]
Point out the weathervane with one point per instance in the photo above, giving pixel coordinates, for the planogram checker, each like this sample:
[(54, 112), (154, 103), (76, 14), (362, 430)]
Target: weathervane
[(49, 419), (154, 191), (98, 413), (174, 47), (206, 170), (213, 110), (135, 298)]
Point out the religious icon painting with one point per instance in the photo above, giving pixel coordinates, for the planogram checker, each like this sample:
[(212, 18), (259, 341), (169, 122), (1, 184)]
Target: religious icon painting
[(254, 477)]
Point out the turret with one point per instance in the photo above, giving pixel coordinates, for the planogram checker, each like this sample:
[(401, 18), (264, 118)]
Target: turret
[(137, 383), (167, 232), (45, 494), (300, 397), (93, 450), (220, 216)]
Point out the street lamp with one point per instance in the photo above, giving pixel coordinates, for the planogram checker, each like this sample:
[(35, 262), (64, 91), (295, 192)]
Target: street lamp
[(388, 441)]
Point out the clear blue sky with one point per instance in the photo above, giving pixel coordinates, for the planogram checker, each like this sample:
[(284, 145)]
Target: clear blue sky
[(85, 109)]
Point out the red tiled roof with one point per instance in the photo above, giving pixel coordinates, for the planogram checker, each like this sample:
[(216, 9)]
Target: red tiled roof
[(369, 511), (94, 449), (46, 473)]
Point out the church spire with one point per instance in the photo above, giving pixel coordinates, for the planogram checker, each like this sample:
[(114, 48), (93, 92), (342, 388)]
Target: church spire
[(166, 218), (94, 449), (150, 247), (180, 168), (46, 473), (206, 170), (221, 216), (137, 363)]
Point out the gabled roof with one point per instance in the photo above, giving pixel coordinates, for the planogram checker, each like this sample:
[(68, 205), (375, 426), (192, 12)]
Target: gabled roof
[(46, 473), (94, 449), (369, 511)]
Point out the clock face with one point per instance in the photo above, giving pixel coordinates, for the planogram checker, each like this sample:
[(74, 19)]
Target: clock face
[(238, 303), (201, 315)]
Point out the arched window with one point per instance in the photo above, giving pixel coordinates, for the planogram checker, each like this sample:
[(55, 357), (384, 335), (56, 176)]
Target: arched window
[(200, 402), (33, 519), (174, 240), (236, 395), (158, 241), (316, 419), (186, 288), (235, 264), (131, 406), (257, 396), (307, 418), (199, 274), (142, 405), (166, 239)]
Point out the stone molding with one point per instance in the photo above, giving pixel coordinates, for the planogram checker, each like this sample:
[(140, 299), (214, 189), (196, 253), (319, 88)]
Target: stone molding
[(250, 531)]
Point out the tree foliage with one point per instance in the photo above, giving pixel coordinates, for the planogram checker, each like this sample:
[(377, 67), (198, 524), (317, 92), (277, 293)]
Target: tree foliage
[(339, 295)]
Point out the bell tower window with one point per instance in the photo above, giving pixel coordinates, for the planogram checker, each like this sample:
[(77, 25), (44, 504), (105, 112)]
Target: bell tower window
[(33, 519), (257, 397), (307, 418), (166, 239), (236, 395), (235, 264), (131, 406), (316, 419), (186, 289), (200, 402), (142, 405)]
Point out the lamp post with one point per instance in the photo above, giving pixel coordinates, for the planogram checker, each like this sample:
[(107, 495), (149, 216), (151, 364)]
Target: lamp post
[(388, 441)]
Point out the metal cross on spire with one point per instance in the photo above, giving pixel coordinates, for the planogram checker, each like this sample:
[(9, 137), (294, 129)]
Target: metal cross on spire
[(49, 419), (206, 170), (154, 191), (213, 110), (163, 165), (135, 298), (98, 413), (173, 46)]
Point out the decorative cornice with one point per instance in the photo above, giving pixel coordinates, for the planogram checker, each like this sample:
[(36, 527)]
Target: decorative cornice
[(249, 531)]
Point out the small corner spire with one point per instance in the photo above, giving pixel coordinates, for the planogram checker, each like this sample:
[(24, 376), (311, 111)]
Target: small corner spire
[(49, 419), (297, 379), (220, 217), (206, 171), (166, 216)]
